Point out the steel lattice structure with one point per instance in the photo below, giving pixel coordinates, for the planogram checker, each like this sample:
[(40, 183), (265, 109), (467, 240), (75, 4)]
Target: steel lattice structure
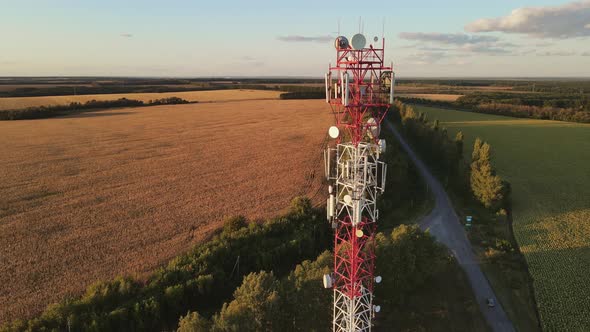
[(360, 95)]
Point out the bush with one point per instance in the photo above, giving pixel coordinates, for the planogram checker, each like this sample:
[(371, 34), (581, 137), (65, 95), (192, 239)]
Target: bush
[(193, 322), (233, 224), (301, 205), (168, 101)]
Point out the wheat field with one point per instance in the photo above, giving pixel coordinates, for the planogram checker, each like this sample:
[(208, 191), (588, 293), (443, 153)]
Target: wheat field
[(95, 195), (12, 103)]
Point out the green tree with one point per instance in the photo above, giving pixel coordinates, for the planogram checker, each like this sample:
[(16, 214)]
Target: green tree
[(459, 144), (233, 224), (303, 297), (485, 184), (406, 259), (193, 322), (255, 305), (301, 205)]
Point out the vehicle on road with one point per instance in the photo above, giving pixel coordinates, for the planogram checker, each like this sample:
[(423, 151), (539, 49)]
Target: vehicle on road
[(491, 303)]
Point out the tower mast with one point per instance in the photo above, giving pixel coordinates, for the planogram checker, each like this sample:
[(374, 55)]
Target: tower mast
[(359, 88)]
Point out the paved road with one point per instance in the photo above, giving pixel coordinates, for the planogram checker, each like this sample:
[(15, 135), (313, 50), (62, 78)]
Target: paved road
[(444, 225)]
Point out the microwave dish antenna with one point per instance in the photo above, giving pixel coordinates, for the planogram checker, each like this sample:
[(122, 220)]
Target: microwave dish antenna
[(341, 43), (359, 41)]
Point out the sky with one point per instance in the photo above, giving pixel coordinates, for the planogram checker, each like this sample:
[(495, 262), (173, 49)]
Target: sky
[(424, 38)]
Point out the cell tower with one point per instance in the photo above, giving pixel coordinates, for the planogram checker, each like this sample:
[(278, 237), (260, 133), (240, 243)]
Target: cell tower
[(359, 89)]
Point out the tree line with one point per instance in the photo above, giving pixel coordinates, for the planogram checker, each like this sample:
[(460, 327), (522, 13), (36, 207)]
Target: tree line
[(572, 108), (41, 112), (406, 257)]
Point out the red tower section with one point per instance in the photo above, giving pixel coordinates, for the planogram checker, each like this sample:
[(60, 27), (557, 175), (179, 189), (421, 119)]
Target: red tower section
[(360, 90)]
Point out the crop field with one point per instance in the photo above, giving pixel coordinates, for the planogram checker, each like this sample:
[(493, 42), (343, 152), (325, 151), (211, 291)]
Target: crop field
[(548, 165), (11, 103), (95, 195)]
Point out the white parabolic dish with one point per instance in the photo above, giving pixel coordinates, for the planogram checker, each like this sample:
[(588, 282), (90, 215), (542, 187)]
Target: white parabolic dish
[(374, 128), (358, 41), (347, 199), (334, 132)]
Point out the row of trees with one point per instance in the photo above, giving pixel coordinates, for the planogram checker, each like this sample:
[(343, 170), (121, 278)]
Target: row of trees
[(558, 100), (407, 258), (445, 155), (580, 112), (304, 95), (41, 112)]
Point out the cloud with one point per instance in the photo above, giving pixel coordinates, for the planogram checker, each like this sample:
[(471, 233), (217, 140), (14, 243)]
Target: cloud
[(544, 44), (560, 22), (297, 38), (447, 38), (488, 49), (251, 61), (460, 42), (557, 53), (424, 58), (126, 35)]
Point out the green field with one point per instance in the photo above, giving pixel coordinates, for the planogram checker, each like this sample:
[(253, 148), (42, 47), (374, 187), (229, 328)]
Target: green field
[(548, 165)]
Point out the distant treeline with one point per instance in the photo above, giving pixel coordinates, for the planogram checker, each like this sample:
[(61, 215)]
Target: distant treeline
[(41, 112), (573, 108), (111, 89), (303, 95), (538, 85), (556, 100)]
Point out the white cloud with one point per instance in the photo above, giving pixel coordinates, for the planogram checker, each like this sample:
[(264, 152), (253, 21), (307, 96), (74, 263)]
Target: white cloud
[(297, 38), (425, 58), (557, 53), (447, 38), (565, 21), (485, 48), (460, 42)]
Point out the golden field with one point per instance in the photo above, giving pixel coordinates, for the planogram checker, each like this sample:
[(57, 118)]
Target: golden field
[(95, 195), (13, 103)]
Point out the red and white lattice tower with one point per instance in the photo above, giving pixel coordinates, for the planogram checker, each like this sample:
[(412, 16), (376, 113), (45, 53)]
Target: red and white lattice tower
[(359, 89)]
